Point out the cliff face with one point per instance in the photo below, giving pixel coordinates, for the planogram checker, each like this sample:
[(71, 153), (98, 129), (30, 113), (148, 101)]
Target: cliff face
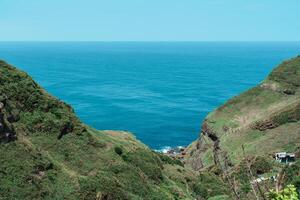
[(260, 122)]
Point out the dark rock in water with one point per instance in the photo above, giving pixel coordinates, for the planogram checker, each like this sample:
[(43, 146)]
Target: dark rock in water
[(176, 152)]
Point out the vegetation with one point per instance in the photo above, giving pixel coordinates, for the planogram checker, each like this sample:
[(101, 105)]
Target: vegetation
[(241, 137), (209, 185), (47, 153), (167, 160), (119, 150), (288, 75), (56, 156), (288, 193), (292, 176), (260, 118)]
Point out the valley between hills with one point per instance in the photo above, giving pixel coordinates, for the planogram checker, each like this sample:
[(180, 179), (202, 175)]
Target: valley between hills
[(48, 153)]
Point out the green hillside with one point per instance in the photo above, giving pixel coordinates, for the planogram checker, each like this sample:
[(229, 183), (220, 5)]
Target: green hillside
[(47, 153), (265, 119), (253, 126)]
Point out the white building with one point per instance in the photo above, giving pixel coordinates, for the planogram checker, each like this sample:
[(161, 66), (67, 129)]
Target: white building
[(284, 157)]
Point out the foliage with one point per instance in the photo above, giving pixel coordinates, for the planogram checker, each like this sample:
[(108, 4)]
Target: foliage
[(119, 150), (292, 175), (264, 119), (220, 197), (168, 160), (56, 156), (287, 73), (209, 185), (147, 162), (288, 193), (261, 165)]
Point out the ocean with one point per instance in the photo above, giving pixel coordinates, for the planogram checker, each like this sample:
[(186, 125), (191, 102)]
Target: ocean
[(159, 91)]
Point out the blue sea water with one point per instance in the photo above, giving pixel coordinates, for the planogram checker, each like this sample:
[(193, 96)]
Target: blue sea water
[(160, 91)]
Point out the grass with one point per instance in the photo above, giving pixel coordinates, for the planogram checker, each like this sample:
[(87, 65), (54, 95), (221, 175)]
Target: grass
[(264, 120), (55, 156), (235, 122)]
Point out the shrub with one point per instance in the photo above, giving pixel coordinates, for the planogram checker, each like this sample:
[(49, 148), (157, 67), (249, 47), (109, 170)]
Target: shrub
[(220, 197), (288, 193), (261, 165), (292, 175), (167, 160), (119, 151), (209, 185), (148, 162)]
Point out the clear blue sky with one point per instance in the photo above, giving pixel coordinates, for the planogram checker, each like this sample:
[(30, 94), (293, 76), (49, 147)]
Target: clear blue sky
[(150, 20)]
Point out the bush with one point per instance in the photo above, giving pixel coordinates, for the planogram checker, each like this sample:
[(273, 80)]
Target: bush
[(119, 151), (209, 185), (167, 160), (102, 186), (148, 162), (220, 197), (287, 73), (261, 165), (292, 175), (288, 193)]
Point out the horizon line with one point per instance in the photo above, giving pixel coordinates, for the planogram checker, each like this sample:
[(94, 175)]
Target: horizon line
[(149, 40)]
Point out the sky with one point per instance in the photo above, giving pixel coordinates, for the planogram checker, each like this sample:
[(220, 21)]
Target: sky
[(149, 20)]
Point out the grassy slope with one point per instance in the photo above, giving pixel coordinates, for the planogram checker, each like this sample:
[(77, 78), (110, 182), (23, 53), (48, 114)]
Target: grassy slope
[(264, 119), (55, 156)]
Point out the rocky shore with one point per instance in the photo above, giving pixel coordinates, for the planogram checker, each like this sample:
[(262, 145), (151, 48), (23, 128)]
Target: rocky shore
[(175, 152)]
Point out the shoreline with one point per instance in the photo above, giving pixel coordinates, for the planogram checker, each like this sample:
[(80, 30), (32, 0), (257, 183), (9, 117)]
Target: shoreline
[(177, 152)]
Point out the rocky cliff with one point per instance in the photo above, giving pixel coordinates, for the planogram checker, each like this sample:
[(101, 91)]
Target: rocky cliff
[(260, 122)]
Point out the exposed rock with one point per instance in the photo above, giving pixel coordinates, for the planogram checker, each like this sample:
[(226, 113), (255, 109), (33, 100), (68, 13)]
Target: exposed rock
[(208, 140), (292, 114), (67, 128), (272, 107), (264, 125), (7, 131), (195, 162), (206, 131), (289, 92)]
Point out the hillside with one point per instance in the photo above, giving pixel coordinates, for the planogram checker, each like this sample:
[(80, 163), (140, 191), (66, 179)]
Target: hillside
[(48, 153), (251, 128), (264, 119)]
